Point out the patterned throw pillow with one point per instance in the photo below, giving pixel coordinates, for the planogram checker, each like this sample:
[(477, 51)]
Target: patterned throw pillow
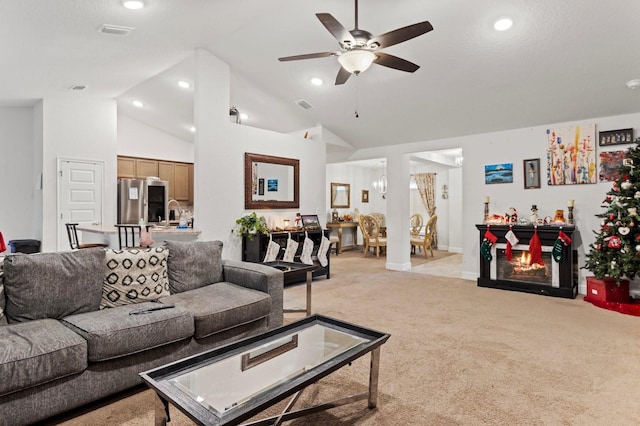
[(134, 276)]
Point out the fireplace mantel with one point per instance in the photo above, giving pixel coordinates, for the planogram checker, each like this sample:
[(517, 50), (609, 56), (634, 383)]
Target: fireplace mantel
[(565, 283)]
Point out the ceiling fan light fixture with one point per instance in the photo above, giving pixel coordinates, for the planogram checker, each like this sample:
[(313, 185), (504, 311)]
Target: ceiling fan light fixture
[(357, 60)]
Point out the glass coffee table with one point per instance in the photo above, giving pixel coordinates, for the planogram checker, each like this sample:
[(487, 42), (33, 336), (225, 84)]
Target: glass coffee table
[(233, 383), (296, 268)]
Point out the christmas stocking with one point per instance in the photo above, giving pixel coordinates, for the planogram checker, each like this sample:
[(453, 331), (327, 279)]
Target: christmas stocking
[(272, 251), (535, 249), (562, 241), (307, 249), (290, 251), (512, 240), (322, 251), (487, 242)]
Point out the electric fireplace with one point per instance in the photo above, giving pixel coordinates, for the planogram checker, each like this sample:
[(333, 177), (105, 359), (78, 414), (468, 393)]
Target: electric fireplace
[(553, 278)]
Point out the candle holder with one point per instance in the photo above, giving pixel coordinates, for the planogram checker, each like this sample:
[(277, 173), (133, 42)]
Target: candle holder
[(486, 212), (570, 216)]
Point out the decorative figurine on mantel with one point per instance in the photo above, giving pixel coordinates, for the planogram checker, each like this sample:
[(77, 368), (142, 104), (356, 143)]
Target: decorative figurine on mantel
[(533, 219)]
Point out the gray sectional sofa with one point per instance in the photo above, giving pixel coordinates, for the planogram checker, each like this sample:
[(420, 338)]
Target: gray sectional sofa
[(79, 326)]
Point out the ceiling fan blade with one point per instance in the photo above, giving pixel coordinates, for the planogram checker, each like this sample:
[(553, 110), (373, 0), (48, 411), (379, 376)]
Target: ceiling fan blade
[(341, 34), (394, 62), (343, 76), (308, 56), (401, 34)]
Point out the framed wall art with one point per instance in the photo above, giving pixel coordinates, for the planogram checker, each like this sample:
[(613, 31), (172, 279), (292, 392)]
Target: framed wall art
[(531, 169), (498, 173), (365, 195), (610, 164), (615, 137), (571, 155)]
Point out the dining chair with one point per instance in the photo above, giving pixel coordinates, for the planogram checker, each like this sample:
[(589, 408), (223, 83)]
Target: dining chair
[(416, 224), (129, 236), (371, 238), (72, 233), (425, 242)]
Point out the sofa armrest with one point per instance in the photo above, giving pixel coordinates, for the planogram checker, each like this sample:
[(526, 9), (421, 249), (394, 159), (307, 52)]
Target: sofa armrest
[(258, 277)]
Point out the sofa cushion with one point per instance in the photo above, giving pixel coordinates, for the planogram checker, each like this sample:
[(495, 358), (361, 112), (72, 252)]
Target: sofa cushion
[(221, 306), (36, 352), (116, 332), (53, 285), (193, 264), (134, 276), (3, 302)]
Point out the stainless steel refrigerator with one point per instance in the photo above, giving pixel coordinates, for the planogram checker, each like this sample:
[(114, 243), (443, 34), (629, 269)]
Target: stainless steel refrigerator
[(142, 199)]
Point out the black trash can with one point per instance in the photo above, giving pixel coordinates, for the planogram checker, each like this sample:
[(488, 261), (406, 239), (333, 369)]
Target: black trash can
[(24, 246)]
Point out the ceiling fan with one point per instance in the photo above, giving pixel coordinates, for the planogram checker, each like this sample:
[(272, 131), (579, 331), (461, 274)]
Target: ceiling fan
[(359, 48)]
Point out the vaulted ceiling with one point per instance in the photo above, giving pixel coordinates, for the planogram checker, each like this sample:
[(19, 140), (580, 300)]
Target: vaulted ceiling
[(561, 61)]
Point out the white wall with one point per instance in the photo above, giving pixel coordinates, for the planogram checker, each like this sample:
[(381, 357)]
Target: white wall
[(18, 186), (82, 130), (219, 160), (136, 139)]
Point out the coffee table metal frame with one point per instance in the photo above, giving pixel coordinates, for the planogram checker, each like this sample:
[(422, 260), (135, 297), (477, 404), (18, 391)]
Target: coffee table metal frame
[(296, 267), (159, 379)]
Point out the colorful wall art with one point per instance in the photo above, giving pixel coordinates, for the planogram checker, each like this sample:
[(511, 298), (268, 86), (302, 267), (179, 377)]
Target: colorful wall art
[(610, 164), (571, 155), (498, 173)]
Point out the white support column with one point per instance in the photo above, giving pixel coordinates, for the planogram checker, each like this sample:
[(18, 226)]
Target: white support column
[(398, 213)]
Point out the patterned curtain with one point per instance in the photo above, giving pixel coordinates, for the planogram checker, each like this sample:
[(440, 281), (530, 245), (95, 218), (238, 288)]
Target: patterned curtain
[(426, 188)]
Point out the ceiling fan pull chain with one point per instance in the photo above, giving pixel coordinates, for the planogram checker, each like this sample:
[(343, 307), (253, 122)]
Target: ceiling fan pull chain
[(357, 115)]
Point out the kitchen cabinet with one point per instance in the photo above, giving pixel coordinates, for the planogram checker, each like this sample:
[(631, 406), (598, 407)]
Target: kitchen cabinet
[(126, 167), (190, 178), (181, 181), (178, 174), (146, 168), (165, 172)]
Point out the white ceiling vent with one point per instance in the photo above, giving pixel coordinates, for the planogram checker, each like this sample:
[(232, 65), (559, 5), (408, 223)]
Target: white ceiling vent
[(304, 104), (114, 29), (78, 87)]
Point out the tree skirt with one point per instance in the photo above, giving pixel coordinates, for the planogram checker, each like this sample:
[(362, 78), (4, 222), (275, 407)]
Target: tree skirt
[(632, 308)]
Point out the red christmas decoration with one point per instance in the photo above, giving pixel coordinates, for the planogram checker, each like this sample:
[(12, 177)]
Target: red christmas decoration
[(535, 249)]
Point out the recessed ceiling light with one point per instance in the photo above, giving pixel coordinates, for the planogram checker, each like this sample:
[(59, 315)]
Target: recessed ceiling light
[(243, 116), (193, 129), (137, 104), (633, 84), (184, 84), (503, 23), (133, 4), (316, 81)]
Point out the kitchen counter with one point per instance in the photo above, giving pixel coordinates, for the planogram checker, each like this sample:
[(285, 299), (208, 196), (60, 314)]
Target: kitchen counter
[(108, 230), (109, 234)]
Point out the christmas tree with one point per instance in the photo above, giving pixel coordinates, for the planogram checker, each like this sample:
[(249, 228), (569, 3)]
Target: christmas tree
[(616, 251)]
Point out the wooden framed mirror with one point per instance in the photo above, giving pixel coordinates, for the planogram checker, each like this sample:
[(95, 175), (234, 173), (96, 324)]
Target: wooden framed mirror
[(271, 182), (340, 195)]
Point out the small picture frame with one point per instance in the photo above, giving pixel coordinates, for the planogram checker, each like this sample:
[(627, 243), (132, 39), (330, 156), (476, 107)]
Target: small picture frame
[(531, 169), (615, 137), (261, 186), (365, 195)]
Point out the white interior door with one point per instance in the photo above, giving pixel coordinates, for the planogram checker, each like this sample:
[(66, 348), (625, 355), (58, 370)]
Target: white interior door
[(80, 195)]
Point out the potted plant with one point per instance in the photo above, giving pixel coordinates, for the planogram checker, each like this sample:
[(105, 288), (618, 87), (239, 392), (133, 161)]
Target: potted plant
[(251, 224)]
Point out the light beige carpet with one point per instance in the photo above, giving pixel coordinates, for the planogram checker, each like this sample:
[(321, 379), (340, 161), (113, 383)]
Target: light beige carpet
[(459, 355)]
